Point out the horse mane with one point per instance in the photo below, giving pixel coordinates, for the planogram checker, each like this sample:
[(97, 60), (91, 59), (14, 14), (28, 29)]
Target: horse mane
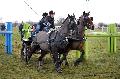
[(63, 26), (64, 20)]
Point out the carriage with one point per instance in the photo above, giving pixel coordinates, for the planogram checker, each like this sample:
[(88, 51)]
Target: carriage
[(27, 40)]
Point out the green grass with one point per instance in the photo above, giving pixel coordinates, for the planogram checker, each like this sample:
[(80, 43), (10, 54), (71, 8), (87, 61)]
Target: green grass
[(100, 63)]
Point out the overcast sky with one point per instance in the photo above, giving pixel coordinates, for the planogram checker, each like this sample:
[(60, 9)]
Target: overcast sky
[(102, 10)]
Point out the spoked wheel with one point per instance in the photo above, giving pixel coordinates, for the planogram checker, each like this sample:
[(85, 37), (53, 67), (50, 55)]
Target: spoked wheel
[(24, 53)]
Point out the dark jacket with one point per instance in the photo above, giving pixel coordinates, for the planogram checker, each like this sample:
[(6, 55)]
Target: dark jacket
[(20, 27), (41, 23), (51, 21), (3, 27)]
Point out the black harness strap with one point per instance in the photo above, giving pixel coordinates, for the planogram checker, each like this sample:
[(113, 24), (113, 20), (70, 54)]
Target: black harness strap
[(52, 39)]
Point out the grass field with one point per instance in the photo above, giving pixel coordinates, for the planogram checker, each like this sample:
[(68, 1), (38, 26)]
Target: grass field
[(100, 63)]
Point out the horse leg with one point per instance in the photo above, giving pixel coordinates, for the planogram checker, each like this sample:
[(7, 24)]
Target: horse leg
[(56, 57), (32, 50), (64, 58), (80, 59), (40, 60)]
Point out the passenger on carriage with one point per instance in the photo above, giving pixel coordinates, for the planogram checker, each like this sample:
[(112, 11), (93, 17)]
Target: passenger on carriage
[(49, 21), (45, 23), (35, 29), (42, 21), (38, 27), (20, 30)]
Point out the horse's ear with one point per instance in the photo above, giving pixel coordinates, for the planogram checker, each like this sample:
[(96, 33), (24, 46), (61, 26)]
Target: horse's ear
[(73, 14), (91, 18), (88, 13), (68, 15), (84, 13)]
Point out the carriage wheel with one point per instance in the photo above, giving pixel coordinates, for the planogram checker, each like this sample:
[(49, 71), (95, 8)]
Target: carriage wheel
[(24, 53)]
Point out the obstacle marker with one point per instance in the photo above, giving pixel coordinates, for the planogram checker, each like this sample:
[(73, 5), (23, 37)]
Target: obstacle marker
[(111, 34), (8, 37)]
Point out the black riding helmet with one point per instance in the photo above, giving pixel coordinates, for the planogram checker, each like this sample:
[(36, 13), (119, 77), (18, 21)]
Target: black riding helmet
[(45, 14), (51, 12)]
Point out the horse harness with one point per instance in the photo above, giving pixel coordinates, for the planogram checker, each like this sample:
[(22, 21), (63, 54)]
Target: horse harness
[(61, 41)]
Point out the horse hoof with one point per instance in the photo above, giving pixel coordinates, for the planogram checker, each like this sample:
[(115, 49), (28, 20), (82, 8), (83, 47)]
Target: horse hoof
[(59, 70), (26, 63), (76, 64), (40, 63), (39, 68), (66, 64)]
